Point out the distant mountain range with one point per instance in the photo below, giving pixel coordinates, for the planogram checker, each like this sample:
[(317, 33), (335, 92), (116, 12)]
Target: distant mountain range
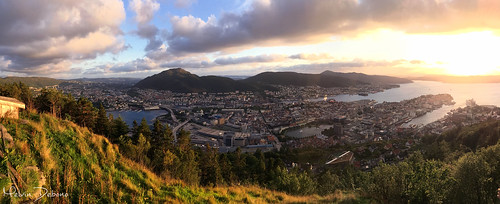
[(180, 80), (460, 79), (372, 79), (37, 82), (120, 80)]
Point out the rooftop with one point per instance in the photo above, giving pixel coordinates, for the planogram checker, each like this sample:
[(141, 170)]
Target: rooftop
[(11, 101)]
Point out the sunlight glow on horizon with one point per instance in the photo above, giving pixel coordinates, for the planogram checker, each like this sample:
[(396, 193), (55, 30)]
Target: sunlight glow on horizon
[(465, 54)]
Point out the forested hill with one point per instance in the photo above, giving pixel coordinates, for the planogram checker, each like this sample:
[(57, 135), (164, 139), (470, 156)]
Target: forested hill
[(79, 166), (180, 80), (37, 82), (326, 79), (300, 79), (372, 79)]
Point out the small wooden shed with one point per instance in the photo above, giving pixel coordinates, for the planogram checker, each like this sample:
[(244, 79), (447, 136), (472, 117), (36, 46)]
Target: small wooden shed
[(9, 107)]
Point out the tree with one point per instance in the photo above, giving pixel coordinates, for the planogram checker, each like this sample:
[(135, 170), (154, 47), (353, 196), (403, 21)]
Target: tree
[(239, 165), (161, 152), (185, 167), (209, 167), (142, 148), (292, 182), (118, 128), (143, 128), (102, 126), (260, 169), (473, 181), (135, 129), (26, 96), (184, 140), (328, 183), (157, 132), (226, 167), (86, 114), (49, 100), (70, 108)]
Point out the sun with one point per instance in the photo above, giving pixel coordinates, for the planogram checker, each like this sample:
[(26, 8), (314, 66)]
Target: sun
[(472, 53), (470, 66)]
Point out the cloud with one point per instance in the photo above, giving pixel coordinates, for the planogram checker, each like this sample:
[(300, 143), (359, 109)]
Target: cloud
[(269, 22), (184, 3), (45, 36), (138, 65), (144, 9), (356, 65), (144, 12), (311, 57), (188, 64), (4, 63), (249, 59)]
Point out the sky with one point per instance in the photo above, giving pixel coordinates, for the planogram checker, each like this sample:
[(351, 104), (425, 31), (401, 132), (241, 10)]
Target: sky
[(138, 38)]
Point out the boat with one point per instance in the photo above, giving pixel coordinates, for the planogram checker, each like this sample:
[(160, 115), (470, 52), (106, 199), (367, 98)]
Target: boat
[(363, 94)]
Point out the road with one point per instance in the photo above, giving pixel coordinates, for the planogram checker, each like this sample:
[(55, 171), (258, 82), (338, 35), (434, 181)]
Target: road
[(176, 128), (171, 113)]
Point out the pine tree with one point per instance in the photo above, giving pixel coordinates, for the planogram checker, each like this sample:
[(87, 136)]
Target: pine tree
[(86, 113), (157, 130), (143, 128), (239, 165), (135, 129), (26, 96), (225, 167), (186, 167), (142, 147), (168, 138), (70, 108), (118, 128), (184, 140), (102, 122), (209, 167), (49, 100)]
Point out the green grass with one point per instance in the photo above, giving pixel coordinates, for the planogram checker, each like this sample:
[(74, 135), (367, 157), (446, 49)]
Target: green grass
[(91, 169)]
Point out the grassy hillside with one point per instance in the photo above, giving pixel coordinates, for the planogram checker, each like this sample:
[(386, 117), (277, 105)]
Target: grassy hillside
[(65, 158)]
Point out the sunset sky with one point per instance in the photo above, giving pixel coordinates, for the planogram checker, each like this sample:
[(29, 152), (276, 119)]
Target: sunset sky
[(138, 38)]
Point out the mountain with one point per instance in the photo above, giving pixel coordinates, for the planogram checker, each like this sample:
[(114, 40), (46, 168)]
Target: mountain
[(300, 79), (180, 80), (372, 79), (37, 82), (326, 79), (124, 81), (460, 79), (43, 154)]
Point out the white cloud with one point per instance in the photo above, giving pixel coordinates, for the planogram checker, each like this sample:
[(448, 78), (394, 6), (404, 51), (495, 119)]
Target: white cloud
[(144, 9), (144, 12), (184, 3), (45, 36)]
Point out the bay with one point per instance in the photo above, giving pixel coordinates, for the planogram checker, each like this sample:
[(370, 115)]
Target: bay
[(482, 93), (130, 116)]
